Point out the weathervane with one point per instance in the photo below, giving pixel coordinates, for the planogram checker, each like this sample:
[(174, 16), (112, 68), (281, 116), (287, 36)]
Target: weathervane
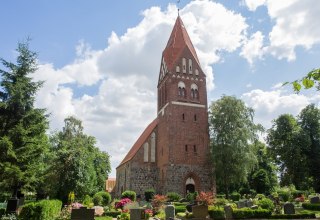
[(178, 1)]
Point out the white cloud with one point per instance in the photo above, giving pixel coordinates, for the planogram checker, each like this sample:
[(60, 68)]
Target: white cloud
[(254, 4), (126, 73), (268, 105), (253, 48)]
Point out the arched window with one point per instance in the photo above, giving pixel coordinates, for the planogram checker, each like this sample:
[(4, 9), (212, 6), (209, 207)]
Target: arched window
[(194, 91), (181, 89)]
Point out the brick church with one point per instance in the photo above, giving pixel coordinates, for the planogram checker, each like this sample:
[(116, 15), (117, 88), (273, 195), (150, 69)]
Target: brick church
[(172, 154)]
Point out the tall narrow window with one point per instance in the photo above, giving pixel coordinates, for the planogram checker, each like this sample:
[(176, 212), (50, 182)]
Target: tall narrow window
[(181, 89), (184, 63), (153, 147), (190, 66), (178, 69), (186, 148), (195, 117), (195, 148), (146, 152), (183, 117), (194, 91)]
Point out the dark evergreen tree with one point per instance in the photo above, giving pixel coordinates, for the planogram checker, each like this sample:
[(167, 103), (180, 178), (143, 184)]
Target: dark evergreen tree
[(23, 139)]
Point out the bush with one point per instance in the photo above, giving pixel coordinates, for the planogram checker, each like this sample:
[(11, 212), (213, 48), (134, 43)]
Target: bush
[(298, 193), (87, 201), (180, 203), (129, 194), (235, 196), (216, 213), (9, 217), (191, 197), (148, 194), (112, 214), (294, 216), (173, 196), (97, 199), (180, 209), (44, 210), (311, 206), (221, 202), (221, 196), (266, 204), (2, 211), (250, 213), (106, 198)]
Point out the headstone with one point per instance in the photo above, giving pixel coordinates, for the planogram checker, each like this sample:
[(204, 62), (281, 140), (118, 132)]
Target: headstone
[(254, 207), (82, 214), (170, 212), (249, 203), (13, 205), (228, 211), (137, 214), (315, 199), (241, 204), (288, 208)]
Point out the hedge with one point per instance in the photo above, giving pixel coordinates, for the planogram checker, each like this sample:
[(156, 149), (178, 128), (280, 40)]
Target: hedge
[(293, 216), (250, 213), (180, 203), (173, 196), (180, 209), (113, 214), (311, 206), (216, 213), (129, 194), (44, 210)]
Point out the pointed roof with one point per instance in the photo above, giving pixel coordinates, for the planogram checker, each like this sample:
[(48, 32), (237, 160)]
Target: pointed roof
[(141, 140), (178, 41)]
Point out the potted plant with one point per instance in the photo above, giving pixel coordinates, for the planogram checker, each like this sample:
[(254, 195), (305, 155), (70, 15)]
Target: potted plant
[(204, 199)]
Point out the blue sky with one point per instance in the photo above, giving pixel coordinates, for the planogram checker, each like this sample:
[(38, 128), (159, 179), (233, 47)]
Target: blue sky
[(100, 59)]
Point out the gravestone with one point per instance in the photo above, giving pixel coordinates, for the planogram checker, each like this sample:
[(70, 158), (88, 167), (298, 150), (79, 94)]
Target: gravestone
[(288, 208), (82, 214), (249, 203), (13, 205), (241, 204), (315, 199), (254, 207), (170, 212), (137, 214), (228, 212)]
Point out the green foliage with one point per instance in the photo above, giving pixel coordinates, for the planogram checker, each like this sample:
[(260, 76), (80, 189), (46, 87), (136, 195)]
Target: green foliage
[(106, 198), (221, 202), (288, 144), (235, 196), (97, 199), (23, 139), (44, 210), (148, 194), (191, 197), (78, 165), (266, 203), (180, 209), (311, 206), (216, 213), (173, 196), (312, 79), (87, 201), (9, 217), (232, 131), (293, 216), (246, 213), (113, 214), (129, 194), (2, 211)]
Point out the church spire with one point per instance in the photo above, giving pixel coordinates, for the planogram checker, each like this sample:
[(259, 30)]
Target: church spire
[(179, 41)]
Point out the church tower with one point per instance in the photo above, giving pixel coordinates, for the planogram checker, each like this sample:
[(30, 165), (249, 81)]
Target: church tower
[(183, 143), (172, 154)]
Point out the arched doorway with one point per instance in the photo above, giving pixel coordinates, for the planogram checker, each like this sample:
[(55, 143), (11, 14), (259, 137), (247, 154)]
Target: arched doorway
[(190, 185)]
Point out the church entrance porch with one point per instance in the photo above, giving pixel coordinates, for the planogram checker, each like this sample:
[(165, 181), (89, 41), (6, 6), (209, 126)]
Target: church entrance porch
[(190, 185)]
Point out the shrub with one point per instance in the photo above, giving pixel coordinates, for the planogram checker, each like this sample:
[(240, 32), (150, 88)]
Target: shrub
[(180, 203), (97, 199), (216, 213), (250, 213), (180, 209), (311, 206), (266, 204), (235, 196), (87, 201), (294, 216), (205, 198), (191, 197), (122, 203), (148, 194), (158, 202), (260, 196), (298, 193), (112, 214), (129, 194), (44, 210), (221, 202), (106, 198), (221, 196), (2, 211), (9, 217), (173, 196)]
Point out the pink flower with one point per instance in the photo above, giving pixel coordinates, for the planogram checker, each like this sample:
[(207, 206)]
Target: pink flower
[(76, 205)]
